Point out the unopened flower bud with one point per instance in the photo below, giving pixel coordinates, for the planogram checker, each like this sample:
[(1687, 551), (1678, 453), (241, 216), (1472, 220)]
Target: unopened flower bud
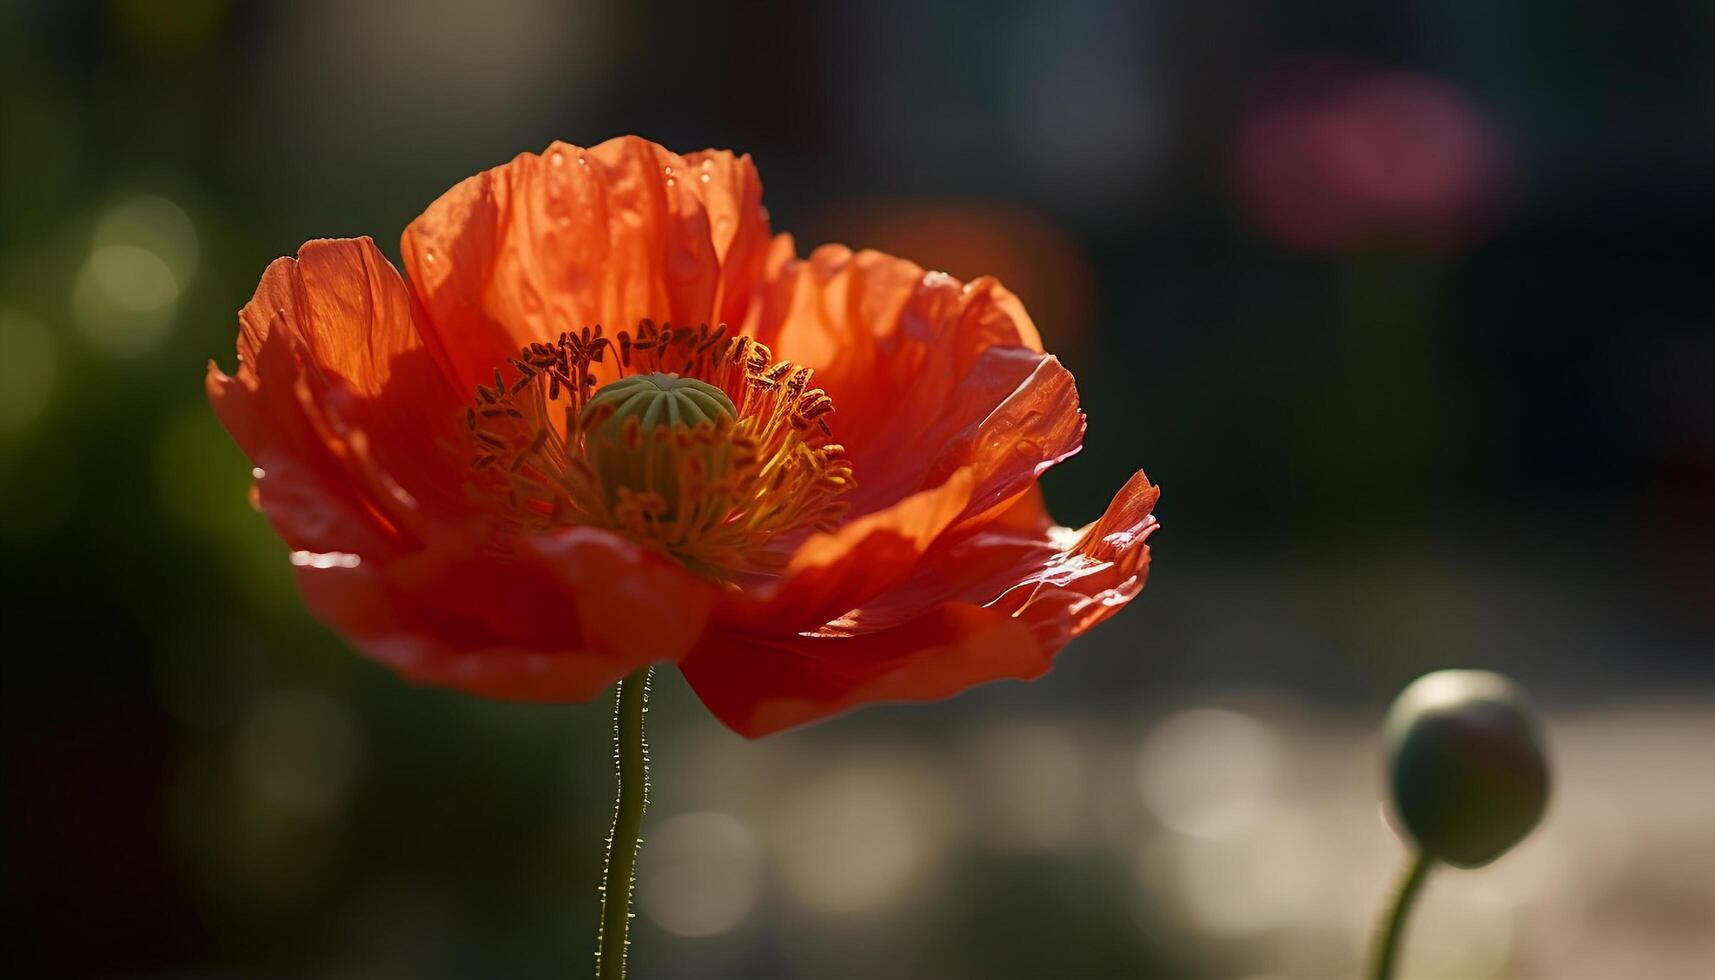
[(1466, 765)]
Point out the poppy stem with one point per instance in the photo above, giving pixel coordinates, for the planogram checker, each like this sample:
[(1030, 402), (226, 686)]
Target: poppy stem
[(631, 758), (1391, 931)]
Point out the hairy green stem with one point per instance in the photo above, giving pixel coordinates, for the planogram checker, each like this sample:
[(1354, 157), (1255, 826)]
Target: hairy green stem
[(631, 755), (1391, 931)]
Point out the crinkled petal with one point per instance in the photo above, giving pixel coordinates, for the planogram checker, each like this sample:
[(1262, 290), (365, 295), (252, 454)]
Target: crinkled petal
[(956, 416), (831, 572), (572, 237), (340, 404), (570, 615), (1060, 587), (758, 685), (1019, 564), (999, 604), (928, 375)]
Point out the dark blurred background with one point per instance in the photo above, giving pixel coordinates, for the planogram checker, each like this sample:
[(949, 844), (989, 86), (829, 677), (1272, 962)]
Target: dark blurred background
[(1408, 307)]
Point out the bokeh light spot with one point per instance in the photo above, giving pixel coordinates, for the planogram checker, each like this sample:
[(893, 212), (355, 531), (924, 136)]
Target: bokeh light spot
[(855, 839), (1207, 772), (701, 874), (143, 254), (124, 299), (153, 222)]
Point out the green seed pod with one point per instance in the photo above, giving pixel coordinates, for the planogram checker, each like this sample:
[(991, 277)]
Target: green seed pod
[(644, 443), (1466, 764)]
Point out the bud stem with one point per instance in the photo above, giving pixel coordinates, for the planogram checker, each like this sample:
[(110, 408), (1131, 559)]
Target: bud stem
[(631, 756), (1391, 930)]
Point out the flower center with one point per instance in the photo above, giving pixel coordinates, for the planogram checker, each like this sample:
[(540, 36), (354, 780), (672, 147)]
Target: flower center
[(703, 447), (654, 433)]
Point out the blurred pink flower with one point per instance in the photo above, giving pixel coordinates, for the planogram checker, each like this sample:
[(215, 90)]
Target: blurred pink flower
[(1330, 156)]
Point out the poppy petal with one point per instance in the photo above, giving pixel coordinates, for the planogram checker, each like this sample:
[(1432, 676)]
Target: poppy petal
[(927, 374), (1104, 568), (759, 685), (1021, 561), (831, 572), (338, 402), (561, 622), (630, 602), (576, 237), (999, 606)]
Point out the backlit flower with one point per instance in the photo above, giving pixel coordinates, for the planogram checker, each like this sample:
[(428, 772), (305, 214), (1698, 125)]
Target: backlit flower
[(609, 420)]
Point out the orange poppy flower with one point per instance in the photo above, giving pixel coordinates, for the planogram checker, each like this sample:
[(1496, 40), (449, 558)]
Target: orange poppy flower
[(609, 419)]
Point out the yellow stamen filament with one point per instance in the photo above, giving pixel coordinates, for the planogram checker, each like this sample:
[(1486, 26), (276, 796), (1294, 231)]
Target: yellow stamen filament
[(717, 495)]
